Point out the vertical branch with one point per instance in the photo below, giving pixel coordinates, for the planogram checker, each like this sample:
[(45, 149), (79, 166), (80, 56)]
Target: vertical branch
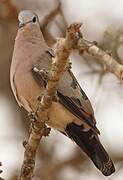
[(62, 51)]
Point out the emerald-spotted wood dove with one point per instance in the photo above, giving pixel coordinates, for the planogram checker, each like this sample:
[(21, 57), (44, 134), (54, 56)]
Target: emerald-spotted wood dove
[(72, 114)]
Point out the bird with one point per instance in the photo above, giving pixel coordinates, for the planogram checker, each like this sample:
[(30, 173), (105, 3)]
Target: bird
[(72, 114)]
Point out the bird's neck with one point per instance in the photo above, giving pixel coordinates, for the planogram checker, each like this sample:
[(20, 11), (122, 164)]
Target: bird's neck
[(31, 35)]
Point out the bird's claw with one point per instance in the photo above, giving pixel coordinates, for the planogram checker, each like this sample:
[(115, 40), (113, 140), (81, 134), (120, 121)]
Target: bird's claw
[(43, 73)]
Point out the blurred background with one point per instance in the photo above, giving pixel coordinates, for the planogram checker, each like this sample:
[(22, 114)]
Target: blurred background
[(58, 157)]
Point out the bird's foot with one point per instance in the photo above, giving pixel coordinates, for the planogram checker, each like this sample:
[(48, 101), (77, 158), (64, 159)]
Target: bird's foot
[(42, 75), (42, 72), (55, 98)]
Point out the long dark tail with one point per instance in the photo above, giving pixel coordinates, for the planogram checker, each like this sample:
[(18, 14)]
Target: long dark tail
[(91, 145)]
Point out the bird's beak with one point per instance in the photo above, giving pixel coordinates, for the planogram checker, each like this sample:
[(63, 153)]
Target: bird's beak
[(21, 25)]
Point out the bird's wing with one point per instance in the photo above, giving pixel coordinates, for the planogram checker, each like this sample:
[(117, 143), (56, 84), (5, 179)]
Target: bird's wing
[(75, 100), (70, 93)]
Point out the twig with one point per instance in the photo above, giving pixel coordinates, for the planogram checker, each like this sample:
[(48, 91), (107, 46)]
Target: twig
[(110, 64), (11, 11), (48, 19), (63, 19), (50, 16), (45, 22), (62, 51)]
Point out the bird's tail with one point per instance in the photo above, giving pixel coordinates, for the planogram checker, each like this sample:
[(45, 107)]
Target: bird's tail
[(90, 144)]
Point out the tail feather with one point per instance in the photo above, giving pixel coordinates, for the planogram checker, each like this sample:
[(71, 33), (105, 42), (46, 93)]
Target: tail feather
[(90, 144)]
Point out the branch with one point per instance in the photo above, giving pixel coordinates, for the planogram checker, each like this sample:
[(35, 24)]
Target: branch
[(44, 23), (11, 11), (62, 51), (110, 64), (50, 16), (48, 19)]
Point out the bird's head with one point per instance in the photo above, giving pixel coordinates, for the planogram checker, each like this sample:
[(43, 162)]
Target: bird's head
[(27, 17)]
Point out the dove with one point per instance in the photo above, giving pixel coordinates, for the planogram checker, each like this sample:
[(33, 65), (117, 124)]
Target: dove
[(72, 113)]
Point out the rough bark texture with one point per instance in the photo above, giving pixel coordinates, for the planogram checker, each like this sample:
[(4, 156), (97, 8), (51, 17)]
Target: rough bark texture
[(110, 64)]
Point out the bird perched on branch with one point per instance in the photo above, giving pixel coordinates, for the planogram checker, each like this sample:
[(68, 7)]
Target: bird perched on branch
[(72, 113)]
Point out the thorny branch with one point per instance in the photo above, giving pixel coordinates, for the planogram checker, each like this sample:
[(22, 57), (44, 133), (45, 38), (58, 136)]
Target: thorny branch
[(62, 51), (110, 64)]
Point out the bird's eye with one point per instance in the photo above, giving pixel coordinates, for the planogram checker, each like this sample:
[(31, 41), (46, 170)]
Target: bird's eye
[(34, 19)]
